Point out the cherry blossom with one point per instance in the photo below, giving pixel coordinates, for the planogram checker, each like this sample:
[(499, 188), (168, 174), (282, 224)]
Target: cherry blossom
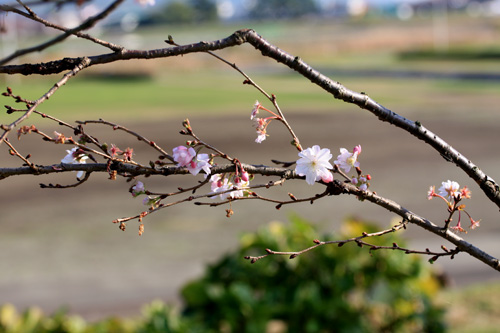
[(75, 156), (255, 110), (237, 188), (261, 136), (183, 155), (347, 160), (138, 189), (128, 154), (431, 193), (193, 162), (200, 162), (114, 150), (314, 164), (449, 189)]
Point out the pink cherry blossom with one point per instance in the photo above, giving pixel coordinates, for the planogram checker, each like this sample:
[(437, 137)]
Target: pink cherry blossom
[(138, 189), (128, 154), (200, 162), (114, 150), (255, 110), (227, 189), (347, 160), (183, 155)]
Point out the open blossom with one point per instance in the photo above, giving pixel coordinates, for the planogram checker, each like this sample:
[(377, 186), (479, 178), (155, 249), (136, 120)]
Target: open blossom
[(200, 162), (465, 193), (184, 155), (128, 154), (193, 162), (75, 156), (261, 136), (114, 150), (314, 164), (347, 160), (260, 124), (449, 189), (138, 189), (474, 224)]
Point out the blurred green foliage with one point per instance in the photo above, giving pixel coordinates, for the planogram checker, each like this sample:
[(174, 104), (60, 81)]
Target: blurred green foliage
[(325, 290), (282, 9), (187, 12)]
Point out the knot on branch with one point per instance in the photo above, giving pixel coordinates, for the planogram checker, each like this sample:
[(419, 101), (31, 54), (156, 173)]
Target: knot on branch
[(335, 188), (241, 34)]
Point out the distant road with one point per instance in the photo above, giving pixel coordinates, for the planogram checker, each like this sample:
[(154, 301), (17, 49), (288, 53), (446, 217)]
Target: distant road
[(400, 73)]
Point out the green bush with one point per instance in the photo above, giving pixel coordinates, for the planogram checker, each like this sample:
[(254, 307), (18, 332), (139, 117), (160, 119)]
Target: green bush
[(326, 290)]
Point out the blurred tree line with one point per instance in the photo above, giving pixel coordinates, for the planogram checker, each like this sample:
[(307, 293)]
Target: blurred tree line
[(201, 11), (186, 12)]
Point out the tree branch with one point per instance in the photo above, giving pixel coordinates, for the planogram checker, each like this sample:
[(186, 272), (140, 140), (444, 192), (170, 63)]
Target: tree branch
[(486, 183), (89, 23), (338, 187)]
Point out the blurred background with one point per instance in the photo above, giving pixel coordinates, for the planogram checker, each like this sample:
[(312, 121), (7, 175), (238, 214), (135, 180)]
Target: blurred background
[(432, 61)]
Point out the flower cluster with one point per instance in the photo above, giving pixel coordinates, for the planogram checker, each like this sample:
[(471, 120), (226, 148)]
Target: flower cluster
[(261, 123), (230, 186), (362, 182), (347, 161), (76, 156), (187, 157), (452, 194), (114, 151), (314, 164)]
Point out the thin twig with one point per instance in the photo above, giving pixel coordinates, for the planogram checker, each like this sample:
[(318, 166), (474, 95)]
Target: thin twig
[(7, 128), (89, 23)]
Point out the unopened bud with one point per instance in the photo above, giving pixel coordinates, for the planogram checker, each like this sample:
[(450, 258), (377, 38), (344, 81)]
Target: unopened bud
[(245, 176)]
